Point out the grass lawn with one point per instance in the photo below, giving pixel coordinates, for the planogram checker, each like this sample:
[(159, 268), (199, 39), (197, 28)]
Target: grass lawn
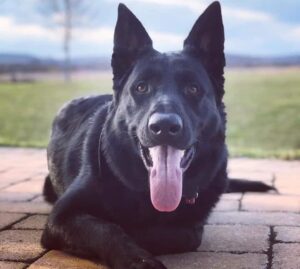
[(263, 108), (27, 110)]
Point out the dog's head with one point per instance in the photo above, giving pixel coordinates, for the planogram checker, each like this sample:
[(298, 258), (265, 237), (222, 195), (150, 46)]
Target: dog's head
[(168, 102)]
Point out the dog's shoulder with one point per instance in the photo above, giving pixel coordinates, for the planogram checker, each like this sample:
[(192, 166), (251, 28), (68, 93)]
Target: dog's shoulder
[(79, 110), (82, 105), (71, 127)]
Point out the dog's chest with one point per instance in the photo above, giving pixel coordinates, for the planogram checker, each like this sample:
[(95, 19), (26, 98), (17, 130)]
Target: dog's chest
[(131, 209), (127, 208)]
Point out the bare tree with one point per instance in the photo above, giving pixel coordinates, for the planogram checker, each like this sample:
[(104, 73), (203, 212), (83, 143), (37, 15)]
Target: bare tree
[(66, 14)]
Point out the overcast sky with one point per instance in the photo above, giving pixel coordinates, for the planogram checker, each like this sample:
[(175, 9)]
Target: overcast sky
[(252, 27)]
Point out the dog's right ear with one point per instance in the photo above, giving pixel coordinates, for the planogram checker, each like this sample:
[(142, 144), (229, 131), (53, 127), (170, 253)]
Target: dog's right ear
[(130, 41)]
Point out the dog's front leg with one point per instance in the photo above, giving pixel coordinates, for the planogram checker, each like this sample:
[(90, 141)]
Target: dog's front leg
[(73, 229), (164, 239)]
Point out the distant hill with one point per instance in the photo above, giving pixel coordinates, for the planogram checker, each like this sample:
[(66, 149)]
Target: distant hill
[(20, 59), (28, 63), (251, 61)]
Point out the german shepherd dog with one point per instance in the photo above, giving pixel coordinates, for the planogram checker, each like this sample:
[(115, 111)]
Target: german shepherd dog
[(136, 174)]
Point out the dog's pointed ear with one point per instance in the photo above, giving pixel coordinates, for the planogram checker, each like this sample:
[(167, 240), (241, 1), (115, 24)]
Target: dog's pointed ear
[(207, 35), (206, 41), (130, 41)]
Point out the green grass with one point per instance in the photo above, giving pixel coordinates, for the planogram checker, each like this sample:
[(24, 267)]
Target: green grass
[(27, 110), (263, 111)]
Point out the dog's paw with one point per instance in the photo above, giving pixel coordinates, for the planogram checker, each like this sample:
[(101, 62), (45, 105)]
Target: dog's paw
[(147, 263)]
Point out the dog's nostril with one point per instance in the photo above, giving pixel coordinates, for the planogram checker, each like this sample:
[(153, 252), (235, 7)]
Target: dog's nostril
[(174, 129), (155, 128)]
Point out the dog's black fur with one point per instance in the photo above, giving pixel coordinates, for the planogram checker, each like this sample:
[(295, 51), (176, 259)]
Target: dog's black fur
[(97, 176)]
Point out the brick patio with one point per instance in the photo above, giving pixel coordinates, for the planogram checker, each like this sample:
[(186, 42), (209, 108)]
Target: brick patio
[(244, 231)]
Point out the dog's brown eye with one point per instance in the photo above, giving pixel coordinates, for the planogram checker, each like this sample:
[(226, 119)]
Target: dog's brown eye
[(192, 90), (142, 87)]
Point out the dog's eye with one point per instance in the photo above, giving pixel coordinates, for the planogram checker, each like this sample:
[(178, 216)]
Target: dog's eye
[(142, 87), (192, 90)]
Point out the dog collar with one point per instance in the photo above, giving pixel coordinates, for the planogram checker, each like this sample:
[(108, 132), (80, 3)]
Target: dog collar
[(191, 201)]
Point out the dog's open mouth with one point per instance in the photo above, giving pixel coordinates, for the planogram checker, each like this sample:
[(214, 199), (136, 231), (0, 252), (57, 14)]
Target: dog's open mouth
[(166, 165), (184, 163)]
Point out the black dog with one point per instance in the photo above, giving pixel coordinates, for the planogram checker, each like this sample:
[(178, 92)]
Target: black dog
[(137, 173)]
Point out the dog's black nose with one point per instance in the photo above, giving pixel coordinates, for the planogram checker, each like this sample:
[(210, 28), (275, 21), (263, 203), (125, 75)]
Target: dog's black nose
[(165, 125)]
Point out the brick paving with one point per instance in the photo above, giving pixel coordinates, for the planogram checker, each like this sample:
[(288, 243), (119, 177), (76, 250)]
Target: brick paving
[(244, 231)]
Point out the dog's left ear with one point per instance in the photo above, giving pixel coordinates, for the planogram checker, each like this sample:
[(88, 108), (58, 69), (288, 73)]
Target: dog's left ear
[(130, 41), (206, 41)]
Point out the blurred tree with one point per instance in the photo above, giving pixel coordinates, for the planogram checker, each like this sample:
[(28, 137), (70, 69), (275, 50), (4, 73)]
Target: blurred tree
[(66, 14)]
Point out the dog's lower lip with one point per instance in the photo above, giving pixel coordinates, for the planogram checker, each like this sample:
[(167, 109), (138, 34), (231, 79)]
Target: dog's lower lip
[(144, 151), (187, 158)]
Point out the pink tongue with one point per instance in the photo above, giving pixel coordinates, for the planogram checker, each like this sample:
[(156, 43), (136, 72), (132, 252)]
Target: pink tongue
[(165, 177)]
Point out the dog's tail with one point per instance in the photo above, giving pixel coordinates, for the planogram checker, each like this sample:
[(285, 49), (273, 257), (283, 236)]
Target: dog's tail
[(48, 191), (242, 185)]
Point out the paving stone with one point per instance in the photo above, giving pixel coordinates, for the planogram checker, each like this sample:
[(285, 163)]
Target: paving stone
[(60, 260), (38, 199), (9, 218), (22, 167), (14, 175), (34, 186), (4, 184), (16, 196), (206, 260), (20, 151), (232, 196), (235, 238), (270, 202), (10, 178), (12, 265), (263, 165), (227, 235), (3, 168), (290, 189), (20, 245), (243, 164), (286, 256), (227, 205), (36, 222), (7, 180), (258, 218), (23, 160), (286, 176), (288, 234), (266, 177), (288, 183), (25, 207)]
